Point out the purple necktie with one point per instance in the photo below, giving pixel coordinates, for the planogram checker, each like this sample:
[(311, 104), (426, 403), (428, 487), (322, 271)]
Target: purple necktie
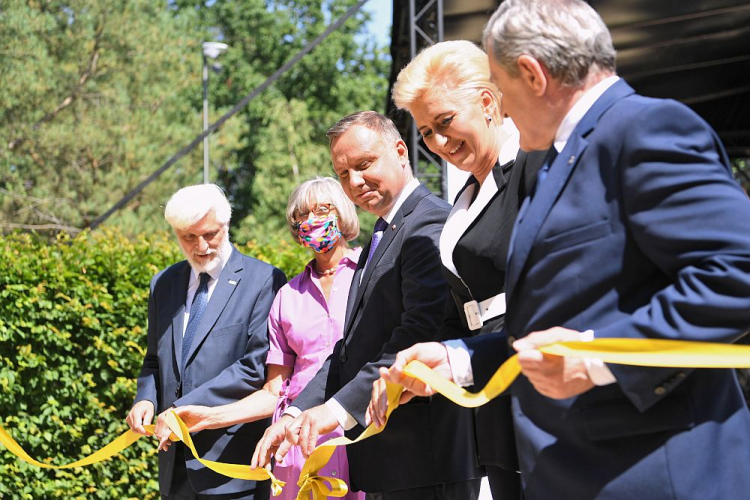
[(377, 234)]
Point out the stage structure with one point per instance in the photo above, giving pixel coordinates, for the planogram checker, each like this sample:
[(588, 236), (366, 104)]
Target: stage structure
[(693, 51)]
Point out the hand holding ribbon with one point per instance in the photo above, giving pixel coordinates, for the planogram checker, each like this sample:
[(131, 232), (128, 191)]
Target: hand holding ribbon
[(412, 373), (179, 433)]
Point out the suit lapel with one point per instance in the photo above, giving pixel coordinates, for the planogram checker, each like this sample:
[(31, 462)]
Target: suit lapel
[(354, 288), (488, 191), (388, 236), (535, 211), (465, 212), (227, 283), (179, 316)]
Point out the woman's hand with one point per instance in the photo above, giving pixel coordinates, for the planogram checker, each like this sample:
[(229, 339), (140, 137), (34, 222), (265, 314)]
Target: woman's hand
[(198, 418)]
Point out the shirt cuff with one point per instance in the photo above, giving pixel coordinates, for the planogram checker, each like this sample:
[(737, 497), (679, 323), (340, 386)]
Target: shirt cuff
[(345, 420), (292, 411), (598, 372), (460, 362)]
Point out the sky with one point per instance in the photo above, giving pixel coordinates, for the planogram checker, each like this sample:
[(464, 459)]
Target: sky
[(382, 18)]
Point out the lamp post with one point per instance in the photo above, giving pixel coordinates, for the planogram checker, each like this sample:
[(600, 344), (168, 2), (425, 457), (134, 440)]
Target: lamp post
[(211, 50)]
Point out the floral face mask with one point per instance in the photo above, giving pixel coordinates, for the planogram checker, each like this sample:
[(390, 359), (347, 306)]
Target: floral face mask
[(319, 234)]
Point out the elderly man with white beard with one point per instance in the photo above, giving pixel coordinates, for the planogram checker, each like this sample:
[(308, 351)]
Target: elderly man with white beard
[(207, 345)]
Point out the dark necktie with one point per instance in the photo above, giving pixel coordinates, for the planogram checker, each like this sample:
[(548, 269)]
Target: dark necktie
[(531, 162), (196, 313), (377, 233), (544, 170)]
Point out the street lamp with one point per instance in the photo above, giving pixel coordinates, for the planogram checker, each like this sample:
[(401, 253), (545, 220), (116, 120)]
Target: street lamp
[(211, 50)]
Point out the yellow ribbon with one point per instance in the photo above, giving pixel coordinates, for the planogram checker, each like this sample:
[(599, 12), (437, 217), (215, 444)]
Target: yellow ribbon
[(237, 471), (113, 448), (310, 482), (179, 433), (636, 352)]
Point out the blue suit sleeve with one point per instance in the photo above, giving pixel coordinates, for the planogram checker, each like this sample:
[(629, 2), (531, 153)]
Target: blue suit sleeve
[(149, 375), (690, 218)]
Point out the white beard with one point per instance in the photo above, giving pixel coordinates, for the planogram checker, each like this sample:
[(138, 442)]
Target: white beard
[(217, 255)]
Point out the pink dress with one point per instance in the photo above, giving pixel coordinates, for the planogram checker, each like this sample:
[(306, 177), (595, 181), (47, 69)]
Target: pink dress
[(302, 330)]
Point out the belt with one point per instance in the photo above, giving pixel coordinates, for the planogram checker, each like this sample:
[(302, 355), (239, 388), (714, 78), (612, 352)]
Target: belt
[(477, 313)]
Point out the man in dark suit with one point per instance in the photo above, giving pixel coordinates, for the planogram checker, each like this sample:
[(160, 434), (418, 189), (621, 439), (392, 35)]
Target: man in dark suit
[(427, 451), (635, 229), (207, 345)]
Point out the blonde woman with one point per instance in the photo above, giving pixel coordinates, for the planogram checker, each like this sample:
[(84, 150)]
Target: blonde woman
[(457, 109), (306, 320)]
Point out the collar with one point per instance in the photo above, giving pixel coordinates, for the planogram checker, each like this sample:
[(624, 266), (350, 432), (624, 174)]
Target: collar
[(580, 109), (408, 189), (351, 257), (509, 149), (227, 250)]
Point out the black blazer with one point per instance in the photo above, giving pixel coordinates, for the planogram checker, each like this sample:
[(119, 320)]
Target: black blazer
[(398, 303), (480, 256), (226, 362)]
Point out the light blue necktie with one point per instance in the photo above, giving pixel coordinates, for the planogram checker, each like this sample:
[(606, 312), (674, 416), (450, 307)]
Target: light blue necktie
[(196, 314), (377, 234)]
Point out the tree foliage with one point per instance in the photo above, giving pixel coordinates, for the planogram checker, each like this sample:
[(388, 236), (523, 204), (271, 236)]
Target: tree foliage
[(72, 339), (97, 95), (93, 98)]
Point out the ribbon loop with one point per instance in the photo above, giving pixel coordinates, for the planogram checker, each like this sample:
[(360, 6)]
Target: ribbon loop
[(316, 485)]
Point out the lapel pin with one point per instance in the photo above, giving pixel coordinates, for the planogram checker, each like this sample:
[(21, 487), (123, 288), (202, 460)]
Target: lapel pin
[(393, 227), (571, 160), (232, 282)]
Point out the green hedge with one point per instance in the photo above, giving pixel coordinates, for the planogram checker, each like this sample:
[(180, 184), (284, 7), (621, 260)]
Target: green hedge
[(72, 338)]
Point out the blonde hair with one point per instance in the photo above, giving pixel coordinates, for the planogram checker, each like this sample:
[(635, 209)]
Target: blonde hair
[(458, 68), (190, 204), (323, 190)]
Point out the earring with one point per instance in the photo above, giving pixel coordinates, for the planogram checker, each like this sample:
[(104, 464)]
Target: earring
[(489, 118)]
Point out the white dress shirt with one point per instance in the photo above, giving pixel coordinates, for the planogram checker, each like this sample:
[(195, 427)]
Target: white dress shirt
[(195, 281)]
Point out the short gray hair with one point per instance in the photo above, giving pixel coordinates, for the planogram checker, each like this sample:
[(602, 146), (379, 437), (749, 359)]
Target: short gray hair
[(323, 190), (373, 120), (190, 204), (567, 36)]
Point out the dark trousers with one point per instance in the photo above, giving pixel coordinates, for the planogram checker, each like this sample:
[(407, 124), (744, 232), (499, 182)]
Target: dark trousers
[(504, 485), (182, 490), (463, 490)]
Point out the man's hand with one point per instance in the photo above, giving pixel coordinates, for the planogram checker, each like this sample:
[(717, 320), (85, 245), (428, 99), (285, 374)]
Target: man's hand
[(272, 438), (140, 414), (378, 407), (305, 430), (197, 418), (556, 377), (162, 431), (432, 354)]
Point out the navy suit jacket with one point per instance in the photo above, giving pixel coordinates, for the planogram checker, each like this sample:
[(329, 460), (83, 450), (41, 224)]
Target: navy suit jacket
[(398, 303), (226, 361), (638, 231)]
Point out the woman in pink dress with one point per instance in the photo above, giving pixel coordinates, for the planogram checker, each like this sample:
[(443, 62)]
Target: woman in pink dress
[(305, 322)]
